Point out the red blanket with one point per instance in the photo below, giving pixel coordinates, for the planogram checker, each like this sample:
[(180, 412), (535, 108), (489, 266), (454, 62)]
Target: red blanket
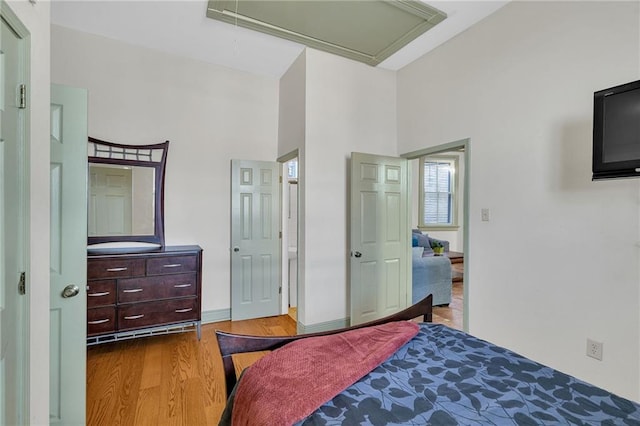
[(292, 382)]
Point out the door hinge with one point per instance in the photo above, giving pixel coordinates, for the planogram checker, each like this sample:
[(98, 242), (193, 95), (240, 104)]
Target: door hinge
[(23, 96), (22, 287), (280, 290), (280, 234)]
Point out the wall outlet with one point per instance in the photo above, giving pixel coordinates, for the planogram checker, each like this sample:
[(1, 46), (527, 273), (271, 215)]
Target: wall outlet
[(485, 215), (594, 349)]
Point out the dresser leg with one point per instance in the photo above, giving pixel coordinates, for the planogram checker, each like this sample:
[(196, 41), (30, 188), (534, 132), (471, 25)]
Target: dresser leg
[(198, 330)]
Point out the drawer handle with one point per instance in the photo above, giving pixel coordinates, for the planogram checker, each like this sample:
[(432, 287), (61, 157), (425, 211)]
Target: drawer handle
[(134, 317), (132, 290), (102, 321), (172, 265), (182, 285), (180, 311), (104, 293), (123, 268)]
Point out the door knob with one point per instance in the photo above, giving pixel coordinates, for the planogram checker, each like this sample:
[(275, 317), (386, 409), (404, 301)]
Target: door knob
[(357, 254), (70, 291), (236, 249)]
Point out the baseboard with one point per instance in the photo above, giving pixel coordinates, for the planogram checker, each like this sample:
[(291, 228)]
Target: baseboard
[(323, 326), (225, 315), (216, 315)]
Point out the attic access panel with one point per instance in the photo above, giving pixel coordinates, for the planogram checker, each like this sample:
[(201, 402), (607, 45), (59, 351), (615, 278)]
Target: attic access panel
[(368, 31)]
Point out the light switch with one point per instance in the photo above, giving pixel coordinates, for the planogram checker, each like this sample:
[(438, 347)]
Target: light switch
[(485, 215)]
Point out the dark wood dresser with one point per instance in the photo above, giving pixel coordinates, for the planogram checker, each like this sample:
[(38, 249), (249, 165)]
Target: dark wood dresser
[(132, 295)]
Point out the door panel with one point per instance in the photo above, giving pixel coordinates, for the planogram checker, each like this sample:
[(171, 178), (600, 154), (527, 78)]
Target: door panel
[(380, 258), (110, 196), (255, 240), (68, 332), (12, 231)]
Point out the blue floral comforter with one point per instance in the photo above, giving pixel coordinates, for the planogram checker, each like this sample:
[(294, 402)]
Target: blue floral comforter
[(447, 377)]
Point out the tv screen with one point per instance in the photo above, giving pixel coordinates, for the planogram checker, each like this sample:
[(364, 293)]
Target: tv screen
[(616, 132)]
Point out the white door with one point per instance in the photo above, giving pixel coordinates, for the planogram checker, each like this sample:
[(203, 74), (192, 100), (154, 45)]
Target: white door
[(380, 232), (13, 213), (68, 304), (255, 239), (110, 200)]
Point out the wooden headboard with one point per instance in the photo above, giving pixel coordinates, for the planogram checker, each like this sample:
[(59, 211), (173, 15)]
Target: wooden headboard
[(230, 343)]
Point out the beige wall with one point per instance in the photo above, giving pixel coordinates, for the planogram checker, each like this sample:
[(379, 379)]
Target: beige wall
[(558, 261), (210, 115)]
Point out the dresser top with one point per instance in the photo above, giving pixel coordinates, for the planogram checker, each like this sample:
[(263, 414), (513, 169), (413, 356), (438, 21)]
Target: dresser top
[(162, 251)]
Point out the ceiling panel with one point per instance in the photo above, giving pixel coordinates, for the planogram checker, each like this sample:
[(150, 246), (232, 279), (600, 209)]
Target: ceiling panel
[(367, 31)]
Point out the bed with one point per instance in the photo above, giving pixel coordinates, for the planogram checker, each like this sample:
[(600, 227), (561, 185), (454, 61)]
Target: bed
[(436, 375)]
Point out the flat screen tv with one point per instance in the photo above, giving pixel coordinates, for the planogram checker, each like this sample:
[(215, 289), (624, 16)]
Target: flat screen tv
[(616, 132)]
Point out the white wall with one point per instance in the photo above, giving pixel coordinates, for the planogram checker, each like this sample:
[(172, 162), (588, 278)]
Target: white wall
[(558, 261), (35, 18), (519, 84), (349, 107), (291, 137), (210, 115), (291, 114)]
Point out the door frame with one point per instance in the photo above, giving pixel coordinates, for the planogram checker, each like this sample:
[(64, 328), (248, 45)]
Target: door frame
[(464, 144), (22, 323), (285, 237)]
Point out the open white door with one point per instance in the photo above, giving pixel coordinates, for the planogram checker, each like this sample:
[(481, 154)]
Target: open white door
[(255, 239), (380, 243), (68, 280), (13, 213)]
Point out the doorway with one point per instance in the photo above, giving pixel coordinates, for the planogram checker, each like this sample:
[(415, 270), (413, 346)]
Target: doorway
[(290, 230), (456, 314), (264, 237)]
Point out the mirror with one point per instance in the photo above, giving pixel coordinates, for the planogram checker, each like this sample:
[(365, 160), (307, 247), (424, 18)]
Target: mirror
[(125, 195)]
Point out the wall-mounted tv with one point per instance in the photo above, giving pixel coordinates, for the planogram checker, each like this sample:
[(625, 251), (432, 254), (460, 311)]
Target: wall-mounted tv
[(616, 132)]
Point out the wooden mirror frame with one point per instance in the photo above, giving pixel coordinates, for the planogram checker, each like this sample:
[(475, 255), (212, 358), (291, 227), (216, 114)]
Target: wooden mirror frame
[(134, 155)]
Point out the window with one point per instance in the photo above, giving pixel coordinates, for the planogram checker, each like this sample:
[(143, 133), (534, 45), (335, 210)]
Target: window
[(438, 192), (292, 169)]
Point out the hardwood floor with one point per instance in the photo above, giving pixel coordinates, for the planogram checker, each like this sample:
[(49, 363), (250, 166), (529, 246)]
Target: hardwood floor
[(178, 380), (166, 380), (453, 314)]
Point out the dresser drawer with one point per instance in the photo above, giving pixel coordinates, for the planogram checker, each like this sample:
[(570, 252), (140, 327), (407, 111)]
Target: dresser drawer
[(157, 313), (101, 293), (158, 287), (115, 268), (101, 320), (172, 265)]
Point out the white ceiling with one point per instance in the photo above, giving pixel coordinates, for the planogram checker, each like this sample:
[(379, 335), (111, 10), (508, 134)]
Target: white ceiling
[(181, 27)]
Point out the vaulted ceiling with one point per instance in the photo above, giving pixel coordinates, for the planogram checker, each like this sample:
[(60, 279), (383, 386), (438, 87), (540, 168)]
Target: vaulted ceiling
[(182, 27)]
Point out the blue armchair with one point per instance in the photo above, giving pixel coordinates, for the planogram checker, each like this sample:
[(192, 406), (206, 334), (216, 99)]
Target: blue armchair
[(431, 275)]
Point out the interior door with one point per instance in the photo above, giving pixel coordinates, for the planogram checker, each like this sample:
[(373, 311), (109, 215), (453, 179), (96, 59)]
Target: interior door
[(110, 198), (255, 239), (68, 304), (380, 232), (13, 177)]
